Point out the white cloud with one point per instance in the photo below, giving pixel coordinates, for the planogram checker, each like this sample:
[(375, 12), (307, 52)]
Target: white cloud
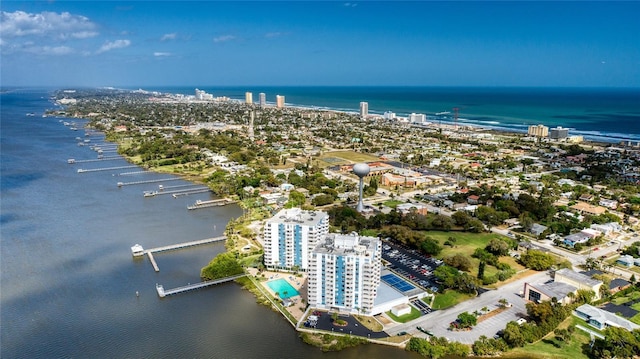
[(223, 38), (270, 35), (50, 24), (161, 54), (171, 36), (349, 4), (56, 50), (111, 45)]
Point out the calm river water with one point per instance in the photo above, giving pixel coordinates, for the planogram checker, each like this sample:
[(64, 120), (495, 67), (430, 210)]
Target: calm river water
[(69, 282)]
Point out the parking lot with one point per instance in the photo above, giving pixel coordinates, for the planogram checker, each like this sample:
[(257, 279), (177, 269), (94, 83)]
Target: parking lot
[(411, 265), (422, 307)]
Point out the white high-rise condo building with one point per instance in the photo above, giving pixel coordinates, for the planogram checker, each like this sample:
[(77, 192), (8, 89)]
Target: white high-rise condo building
[(290, 235), (279, 101), (263, 99), (417, 118), (364, 109), (344, 273), (248, 98), (389, 115)]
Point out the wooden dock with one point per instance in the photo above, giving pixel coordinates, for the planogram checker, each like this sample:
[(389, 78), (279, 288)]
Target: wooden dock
[(184, 191), (138, 251), (212, 203), (163, 293), (122, 184), (110, 158), (153, 262), (186, 244), (80, 170)]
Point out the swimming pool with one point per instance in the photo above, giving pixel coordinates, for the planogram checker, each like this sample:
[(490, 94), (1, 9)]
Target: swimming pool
[(283, 288)]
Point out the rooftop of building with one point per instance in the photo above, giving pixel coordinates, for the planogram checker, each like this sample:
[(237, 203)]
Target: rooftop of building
[(577, 277), (602, 316), (347, 244), (554, 289), (298, 216)]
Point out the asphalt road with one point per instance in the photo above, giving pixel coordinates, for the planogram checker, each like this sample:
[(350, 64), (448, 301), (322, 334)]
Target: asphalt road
[(438, 321)]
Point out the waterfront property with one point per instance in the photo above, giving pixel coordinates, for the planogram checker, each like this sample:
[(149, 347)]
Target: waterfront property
[(282, 288), (344, 273), (290, 235)]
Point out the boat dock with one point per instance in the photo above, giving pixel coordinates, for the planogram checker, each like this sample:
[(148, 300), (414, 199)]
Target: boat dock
[(163, 293), (176, 193), (132, 173), (212, 203), (186, 193), (138, 251), (111, 158), (80, 170), (121, 184), (186, 244)]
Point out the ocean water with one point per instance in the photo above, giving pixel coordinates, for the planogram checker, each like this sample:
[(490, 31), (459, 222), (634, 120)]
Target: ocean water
[(603, 114), (68, 280)]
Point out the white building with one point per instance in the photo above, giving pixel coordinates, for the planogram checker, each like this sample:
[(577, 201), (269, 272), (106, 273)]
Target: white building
[(344, 273), (389, 115), (248, 98), (364, 109), (263, 99), (417, 118), (290, 235)]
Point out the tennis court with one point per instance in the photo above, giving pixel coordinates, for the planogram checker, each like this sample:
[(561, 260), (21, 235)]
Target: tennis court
[(397, 282)]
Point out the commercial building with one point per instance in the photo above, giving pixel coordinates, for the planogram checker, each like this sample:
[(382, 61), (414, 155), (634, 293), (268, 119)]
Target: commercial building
[(558, 133), (263, 99), (279, 101), (290, 235), (248, 98), (538, 131), (364, 109), (565, 281), (344, 273)]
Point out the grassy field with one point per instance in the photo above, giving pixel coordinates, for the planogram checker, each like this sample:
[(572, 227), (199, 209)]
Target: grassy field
[(449, 298), (393, 203), (466, 243), (344, 157), (549, 347)]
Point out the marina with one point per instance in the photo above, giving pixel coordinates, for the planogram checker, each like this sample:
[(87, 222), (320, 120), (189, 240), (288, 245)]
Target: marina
[(163, 293)]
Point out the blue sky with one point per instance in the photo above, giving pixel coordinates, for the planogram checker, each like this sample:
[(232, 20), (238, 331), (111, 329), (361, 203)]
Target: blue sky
[(307, 43)]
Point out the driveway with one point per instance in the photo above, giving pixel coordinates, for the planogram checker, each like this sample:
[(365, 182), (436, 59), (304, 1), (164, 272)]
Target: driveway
[(353, 327)]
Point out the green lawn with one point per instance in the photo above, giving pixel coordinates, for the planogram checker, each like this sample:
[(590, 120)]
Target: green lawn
[(405, 318), (449, 298), (549, 347), (466, 243), (393, 203)]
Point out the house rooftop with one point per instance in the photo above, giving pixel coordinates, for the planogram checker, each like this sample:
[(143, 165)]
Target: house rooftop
[(602, 316)]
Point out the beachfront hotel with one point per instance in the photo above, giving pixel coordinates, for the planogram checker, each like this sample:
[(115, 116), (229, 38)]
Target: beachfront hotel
[(538, 131), (290, 235), (248, 98), (263, 99), (344, 273), (279, 101), (364, 109)]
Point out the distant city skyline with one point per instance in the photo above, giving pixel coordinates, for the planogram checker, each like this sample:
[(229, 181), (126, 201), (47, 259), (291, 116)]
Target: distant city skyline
[(308, 43)]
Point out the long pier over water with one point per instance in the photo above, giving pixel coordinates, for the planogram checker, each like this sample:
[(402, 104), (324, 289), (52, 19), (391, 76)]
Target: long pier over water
[(163, 293), (138, 251)]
